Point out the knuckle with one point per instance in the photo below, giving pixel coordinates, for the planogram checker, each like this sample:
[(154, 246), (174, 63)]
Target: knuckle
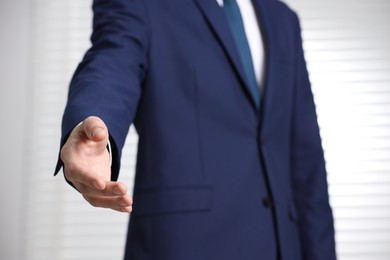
[(68, 174), (91, 200), (87, 198), (64, 153), (70, 171)]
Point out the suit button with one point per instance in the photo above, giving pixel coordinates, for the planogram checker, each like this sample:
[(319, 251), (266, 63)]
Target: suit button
[(268, 202)]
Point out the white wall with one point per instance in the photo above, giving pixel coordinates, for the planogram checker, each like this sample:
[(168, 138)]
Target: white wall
[(14, 31)]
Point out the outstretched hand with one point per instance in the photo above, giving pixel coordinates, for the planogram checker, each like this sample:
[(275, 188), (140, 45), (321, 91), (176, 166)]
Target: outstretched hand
[(87, 165)]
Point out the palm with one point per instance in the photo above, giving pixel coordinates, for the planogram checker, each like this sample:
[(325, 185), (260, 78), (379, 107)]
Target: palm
[(94, 156)]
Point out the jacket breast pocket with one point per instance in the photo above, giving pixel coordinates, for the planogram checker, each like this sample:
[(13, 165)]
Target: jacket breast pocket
[(161, 201)]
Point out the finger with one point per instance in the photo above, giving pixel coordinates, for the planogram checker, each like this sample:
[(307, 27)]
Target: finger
[(125, 210), (120, 203), (95, 129), (111, 189)]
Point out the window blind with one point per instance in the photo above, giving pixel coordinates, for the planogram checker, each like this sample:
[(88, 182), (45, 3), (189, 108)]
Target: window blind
[(58, 223), (348, 57)]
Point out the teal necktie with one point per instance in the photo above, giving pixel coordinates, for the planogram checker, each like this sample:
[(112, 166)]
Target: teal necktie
[(232, 12)]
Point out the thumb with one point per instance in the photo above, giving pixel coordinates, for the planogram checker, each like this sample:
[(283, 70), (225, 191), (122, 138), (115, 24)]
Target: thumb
[(95, 129)]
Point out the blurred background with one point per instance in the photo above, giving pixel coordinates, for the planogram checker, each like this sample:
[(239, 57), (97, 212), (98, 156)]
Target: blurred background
[(347, 48)]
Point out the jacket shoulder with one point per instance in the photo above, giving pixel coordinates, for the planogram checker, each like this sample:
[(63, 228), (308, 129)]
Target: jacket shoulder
[(281, 6), (282, 11), (283, 14)]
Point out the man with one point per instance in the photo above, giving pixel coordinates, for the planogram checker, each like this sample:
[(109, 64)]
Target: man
[(230, 163)]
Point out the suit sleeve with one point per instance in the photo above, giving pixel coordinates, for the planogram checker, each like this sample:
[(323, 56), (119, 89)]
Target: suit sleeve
[(308, 169), (107, 83)]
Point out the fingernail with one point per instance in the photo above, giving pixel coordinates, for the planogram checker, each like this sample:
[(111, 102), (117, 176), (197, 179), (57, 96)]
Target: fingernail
[(116, 191)]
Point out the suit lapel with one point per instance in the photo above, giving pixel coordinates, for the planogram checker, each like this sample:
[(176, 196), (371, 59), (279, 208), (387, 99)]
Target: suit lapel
[(217, 21)]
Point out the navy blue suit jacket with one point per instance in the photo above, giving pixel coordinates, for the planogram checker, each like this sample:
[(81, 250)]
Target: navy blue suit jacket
[(216, 177)]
